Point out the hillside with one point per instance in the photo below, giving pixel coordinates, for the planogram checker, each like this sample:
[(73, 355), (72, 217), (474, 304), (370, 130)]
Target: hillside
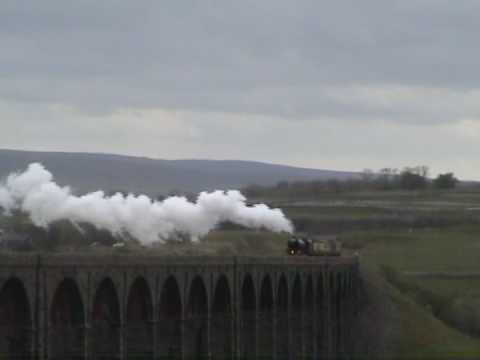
[(90, 171)]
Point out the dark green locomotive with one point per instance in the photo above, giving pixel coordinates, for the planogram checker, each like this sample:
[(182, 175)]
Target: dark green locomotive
[(313, 247)]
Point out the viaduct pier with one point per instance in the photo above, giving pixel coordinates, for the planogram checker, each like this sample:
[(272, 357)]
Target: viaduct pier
[(151, 307)]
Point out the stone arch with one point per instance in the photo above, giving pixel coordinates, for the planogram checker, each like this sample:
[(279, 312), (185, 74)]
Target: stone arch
[(338, 287), (308, 318), (138, 324), (196, 327), (221, 324), (321, 299), (296, 318), (282, 325), (265, 319), (348, 311), (15, 321), (169, 320), (248, 306), (67, 322), (105, 326)]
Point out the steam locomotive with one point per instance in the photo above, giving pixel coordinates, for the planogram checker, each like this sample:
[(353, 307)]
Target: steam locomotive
[(313, 247)]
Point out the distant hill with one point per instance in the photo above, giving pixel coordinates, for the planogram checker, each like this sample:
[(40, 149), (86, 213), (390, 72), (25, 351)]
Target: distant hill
[(89, 171)]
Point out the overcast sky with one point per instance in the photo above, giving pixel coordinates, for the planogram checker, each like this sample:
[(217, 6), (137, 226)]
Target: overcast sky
[(328, 84)]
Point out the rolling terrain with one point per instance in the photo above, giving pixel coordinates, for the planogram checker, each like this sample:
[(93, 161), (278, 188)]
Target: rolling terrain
[(86, 172), (419, 250)]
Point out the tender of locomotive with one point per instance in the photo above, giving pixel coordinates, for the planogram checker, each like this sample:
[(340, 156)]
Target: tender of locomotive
[(313, 247)]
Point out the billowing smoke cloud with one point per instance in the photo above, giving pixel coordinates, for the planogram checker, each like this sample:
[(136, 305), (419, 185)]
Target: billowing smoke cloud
[(35, 193)]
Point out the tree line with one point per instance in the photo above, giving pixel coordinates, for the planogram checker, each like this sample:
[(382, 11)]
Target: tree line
[(408, 178)]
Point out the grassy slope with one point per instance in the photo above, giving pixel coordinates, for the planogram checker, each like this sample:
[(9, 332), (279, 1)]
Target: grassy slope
[(425, 337), (466, 287), (421, 334), (452, 249), (445, 249)]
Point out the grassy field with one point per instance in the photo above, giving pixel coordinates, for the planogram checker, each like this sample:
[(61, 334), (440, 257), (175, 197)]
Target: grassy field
[(398, 236), (423, 336), (453, 198), (435, 316), (449, 249)]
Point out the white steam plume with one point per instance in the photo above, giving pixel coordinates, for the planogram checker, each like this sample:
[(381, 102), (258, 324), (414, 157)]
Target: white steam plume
[(35, 193)]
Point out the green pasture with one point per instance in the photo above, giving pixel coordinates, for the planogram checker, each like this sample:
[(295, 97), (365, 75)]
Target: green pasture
[(460, 198), (437, 318), (421, 335), (468, 287), (452, 249), (430, 317)]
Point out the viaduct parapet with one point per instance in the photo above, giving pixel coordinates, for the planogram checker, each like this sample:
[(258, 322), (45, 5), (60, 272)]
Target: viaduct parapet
[(149, 307)]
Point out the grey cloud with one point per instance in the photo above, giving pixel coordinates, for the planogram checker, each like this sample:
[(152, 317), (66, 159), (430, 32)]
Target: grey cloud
[(269, 57)]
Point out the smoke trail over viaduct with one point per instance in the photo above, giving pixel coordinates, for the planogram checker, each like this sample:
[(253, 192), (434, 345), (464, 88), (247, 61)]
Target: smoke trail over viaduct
[(126, 307)]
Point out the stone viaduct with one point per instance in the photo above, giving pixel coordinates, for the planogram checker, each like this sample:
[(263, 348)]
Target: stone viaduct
[(149, 307)]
